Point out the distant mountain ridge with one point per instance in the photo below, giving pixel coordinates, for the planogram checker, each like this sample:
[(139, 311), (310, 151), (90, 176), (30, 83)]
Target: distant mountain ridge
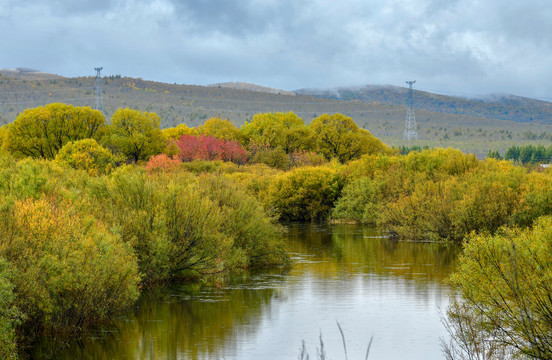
[(504, 107)]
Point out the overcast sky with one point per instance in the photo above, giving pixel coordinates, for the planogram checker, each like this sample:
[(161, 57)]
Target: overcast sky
[(463, 47)]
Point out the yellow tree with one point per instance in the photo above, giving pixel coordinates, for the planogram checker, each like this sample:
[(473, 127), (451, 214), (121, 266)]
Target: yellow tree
[(175, 133), (42, 131), (338, 136), (135, 134), (221, 129), (285, 130)]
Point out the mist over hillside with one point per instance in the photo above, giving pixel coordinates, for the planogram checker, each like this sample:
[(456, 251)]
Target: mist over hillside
[(252, 87), (495, 106)]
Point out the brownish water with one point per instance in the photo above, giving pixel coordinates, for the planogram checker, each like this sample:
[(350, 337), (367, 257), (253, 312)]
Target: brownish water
[(373, 286)]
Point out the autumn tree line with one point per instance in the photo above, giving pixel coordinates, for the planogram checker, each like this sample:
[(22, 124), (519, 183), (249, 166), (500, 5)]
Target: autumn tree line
[(93, 211)]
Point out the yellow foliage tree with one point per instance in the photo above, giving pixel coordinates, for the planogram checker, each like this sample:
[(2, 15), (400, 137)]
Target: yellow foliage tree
[(70, 270), (505, 281), (285, 130), (42, 131), (135, 134), (175, 133), (338, 136), (221, 129)]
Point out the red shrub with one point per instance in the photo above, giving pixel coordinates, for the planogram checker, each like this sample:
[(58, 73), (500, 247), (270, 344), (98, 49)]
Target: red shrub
[(207, 147), (161, 163)]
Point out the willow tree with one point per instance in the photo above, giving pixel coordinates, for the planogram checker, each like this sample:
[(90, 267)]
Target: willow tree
[(42, 131), (135, 134), (221, 129), (338, 136), (284, 130)]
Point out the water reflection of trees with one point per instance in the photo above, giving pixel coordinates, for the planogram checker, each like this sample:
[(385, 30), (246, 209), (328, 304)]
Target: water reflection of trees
[(186, 322), (345, 248)]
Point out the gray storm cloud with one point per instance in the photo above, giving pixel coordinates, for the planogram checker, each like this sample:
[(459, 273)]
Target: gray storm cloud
[(458, 46)]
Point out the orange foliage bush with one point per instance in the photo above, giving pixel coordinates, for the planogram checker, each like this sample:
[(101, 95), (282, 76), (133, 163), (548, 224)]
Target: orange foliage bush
[(161, 163)]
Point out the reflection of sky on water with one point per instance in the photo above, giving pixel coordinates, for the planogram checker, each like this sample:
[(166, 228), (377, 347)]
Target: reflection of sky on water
[(402, 316), (371, 285)]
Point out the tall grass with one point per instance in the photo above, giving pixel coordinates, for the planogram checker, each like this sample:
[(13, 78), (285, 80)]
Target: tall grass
[(321, 351)]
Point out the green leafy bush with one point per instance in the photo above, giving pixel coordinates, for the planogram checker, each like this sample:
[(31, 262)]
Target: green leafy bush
[(9, 315), (71, 272), (305, 194), (362, 201), (87, 155), (505, 281), (184, 225)]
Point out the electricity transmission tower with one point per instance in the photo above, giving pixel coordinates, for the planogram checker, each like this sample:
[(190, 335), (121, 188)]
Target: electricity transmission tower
[(99, 100), (410, 127)]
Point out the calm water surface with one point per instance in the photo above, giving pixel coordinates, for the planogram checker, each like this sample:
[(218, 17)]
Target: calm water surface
[(373, 286)]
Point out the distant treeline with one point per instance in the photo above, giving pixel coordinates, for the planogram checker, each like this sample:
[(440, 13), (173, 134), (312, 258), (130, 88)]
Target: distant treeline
[(404, 150), (528, 154)]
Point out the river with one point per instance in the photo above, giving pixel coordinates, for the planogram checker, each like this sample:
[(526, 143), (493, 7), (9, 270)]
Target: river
[(373, 286)]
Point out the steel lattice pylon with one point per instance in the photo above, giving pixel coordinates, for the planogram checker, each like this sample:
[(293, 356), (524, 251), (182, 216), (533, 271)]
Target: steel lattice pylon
[(410, 126), (99, 100)]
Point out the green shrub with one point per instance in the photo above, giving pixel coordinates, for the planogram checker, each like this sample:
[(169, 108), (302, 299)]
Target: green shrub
[(305, 194), (70, 271), (362, 201), (256, 237), (273, 157), (505, 281), (200, 166), (87, 155), (180, 224), (22, 179), (9, 314)]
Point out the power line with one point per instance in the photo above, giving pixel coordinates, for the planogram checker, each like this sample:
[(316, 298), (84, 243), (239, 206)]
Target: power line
[(43, 101), (49, 91), (10, 79)]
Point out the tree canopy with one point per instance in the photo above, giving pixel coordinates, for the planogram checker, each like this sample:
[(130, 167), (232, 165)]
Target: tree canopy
[(135, 134), (42, 131), (285, 130), (221, 129), (338, 136)]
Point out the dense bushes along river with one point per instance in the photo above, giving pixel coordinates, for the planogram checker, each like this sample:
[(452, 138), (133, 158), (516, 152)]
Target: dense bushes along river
[(86, 221), (75, 249)]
